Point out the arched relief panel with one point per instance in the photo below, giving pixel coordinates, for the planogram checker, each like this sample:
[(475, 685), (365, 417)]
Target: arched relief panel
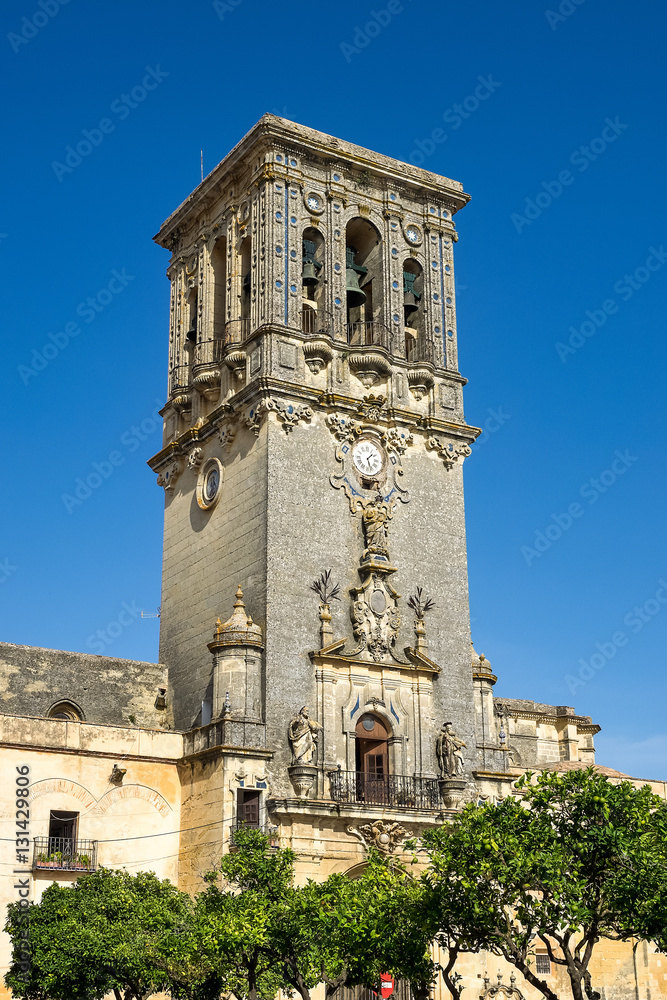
[(62, 786), (142, 792)]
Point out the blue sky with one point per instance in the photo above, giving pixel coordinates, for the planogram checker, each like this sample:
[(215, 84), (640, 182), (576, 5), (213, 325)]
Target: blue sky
[(551, 117)]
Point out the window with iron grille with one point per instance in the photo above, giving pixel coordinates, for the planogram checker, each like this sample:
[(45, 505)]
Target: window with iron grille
[(542, 963)]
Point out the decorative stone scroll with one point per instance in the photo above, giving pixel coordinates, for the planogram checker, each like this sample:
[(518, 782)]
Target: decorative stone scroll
[(386, 837), (288, 413), (448, 452)]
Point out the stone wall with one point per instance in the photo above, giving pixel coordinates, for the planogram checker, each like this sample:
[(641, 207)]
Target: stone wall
[(106, 690)]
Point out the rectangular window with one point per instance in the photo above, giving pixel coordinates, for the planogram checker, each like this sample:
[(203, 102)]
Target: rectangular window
[(247, 807), (542, 963)]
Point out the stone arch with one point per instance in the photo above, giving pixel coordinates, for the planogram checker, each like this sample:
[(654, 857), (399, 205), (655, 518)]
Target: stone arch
[(134, 792), (62, 785), (66, 709)]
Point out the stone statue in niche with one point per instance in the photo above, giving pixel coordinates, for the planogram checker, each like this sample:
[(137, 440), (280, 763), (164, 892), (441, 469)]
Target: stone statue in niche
[(449, 750), (302, 736), (375, 521)]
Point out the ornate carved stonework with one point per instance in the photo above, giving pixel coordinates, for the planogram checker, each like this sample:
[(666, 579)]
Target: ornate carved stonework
[(318, 354), (448, 452), (375, 617), (384, 836), (288, 413), (195, 458), (397, 440), (449, 751), (371, 407), (500, 989), (169, 474), (226, 434), (343, 428)]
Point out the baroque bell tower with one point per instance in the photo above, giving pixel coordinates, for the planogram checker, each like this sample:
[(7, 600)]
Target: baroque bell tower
[(313, 452)]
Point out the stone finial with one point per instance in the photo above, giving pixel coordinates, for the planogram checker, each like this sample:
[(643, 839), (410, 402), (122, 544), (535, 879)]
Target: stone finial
[(420, 605), (227, 707), (239, 630)]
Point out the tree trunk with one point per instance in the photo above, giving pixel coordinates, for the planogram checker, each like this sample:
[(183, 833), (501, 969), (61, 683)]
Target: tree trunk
[(530, 977), (450, 983)]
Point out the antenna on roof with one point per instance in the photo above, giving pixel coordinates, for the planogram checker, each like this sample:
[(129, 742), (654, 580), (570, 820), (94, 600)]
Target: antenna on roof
[(201, 157), (151, 614)]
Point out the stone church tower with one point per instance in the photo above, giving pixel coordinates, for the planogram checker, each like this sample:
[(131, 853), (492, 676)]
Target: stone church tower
[(314, 434)]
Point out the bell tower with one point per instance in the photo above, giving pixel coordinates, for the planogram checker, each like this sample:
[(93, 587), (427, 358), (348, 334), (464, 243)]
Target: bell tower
[(313, 451)]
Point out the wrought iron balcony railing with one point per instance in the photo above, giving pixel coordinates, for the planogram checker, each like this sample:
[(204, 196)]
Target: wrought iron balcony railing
[(208, 352), (237, 331), (419, 349), (368, 334), (313, 322), (65, 854), (399, 790)]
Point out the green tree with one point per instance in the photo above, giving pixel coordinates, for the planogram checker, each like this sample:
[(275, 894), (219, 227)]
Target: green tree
[(570, 859), (259, 932), (95, 937)]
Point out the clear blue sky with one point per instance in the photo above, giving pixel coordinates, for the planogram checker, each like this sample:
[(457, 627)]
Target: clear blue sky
[(581, 92)]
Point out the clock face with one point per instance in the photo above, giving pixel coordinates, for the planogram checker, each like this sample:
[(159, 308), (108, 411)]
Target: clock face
[(412, 234), (367, 457)]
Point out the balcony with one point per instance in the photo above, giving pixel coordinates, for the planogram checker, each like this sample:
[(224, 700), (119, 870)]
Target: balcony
[(208, 352), (396, 790), (368, 334), (64, 854), (237, 332), (314, 322)]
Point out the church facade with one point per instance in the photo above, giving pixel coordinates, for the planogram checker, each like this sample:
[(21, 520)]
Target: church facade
[(317, 677)]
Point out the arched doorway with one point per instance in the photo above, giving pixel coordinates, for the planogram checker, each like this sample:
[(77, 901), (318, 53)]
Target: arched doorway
[(372, 758)]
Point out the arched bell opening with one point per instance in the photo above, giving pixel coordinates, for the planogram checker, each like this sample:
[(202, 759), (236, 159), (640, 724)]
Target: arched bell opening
[(363, 283), (413, 306), (312, 280), (246, 276), (192, 310), (219, 268)]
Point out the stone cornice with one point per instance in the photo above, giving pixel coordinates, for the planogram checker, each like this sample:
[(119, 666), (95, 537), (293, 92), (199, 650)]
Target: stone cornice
[(330, 656), (270, 130), (265, 386)]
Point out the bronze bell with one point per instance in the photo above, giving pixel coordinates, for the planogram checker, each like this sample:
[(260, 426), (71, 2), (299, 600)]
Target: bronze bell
[(310, 268), (309, 275), (410, 296), (355, 296)]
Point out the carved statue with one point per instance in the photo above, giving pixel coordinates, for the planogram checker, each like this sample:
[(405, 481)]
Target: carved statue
[(375, 521), (449, 752), (302, 736)]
